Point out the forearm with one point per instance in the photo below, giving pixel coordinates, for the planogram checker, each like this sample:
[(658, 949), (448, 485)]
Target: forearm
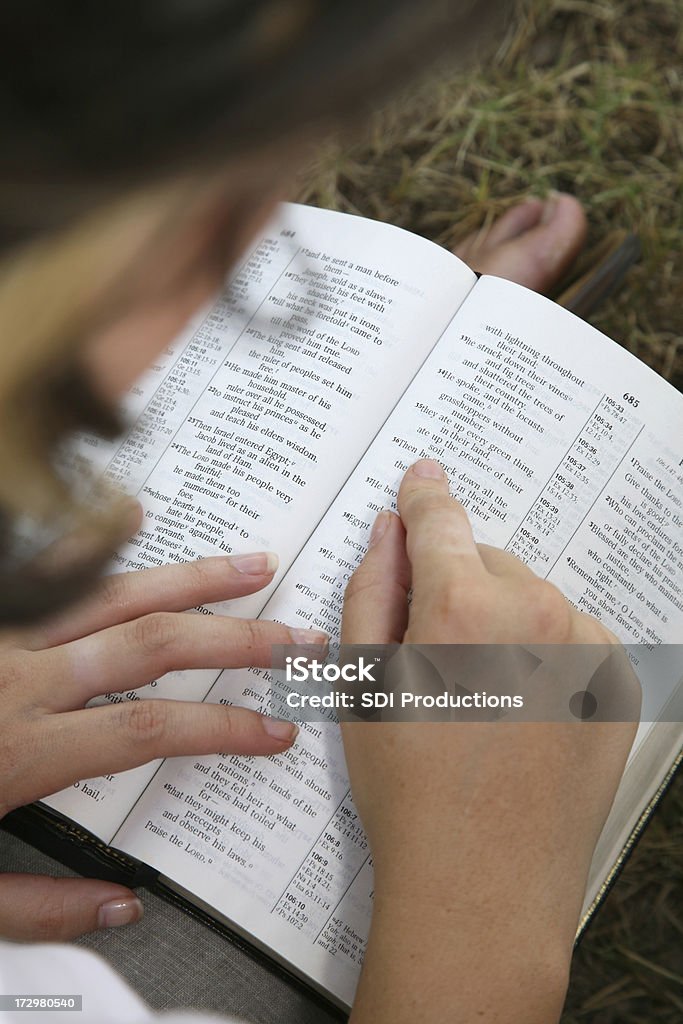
[(432, 961), (482, 834)]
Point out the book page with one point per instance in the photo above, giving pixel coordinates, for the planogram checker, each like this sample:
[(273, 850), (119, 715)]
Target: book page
[(566, 451), (249, 424)]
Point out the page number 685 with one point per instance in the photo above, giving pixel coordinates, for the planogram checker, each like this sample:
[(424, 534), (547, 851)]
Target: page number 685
[(632, 400)]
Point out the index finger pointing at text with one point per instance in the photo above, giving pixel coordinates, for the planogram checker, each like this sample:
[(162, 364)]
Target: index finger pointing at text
[(439, 541)]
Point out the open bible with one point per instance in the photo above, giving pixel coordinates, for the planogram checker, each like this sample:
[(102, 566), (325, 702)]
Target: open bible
[(283, 418)]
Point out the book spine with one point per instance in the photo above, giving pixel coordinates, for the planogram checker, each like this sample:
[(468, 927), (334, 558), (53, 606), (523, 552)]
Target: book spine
[(628, 848)]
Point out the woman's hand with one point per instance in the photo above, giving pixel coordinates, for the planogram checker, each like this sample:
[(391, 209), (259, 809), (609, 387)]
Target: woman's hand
[(131, 631), (481, 833)]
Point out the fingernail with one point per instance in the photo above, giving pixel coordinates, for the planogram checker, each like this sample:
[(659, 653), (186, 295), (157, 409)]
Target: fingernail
[(550, 208), (429, 469), (379, 528), (261, 563), (309, 637), (119, 912), (286, 732)]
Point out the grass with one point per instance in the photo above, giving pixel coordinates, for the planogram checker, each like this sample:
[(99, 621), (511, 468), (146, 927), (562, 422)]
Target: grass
[(629, 967), (584, 96)]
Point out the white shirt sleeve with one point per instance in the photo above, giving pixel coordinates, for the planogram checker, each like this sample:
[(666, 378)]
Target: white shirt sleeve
[(50, 969)]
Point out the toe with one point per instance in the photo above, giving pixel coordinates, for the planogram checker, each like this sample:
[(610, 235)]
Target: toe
[(509, 225), (532, 244), (515, 222)]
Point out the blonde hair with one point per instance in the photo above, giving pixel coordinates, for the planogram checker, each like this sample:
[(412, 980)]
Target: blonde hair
[(54, 293)]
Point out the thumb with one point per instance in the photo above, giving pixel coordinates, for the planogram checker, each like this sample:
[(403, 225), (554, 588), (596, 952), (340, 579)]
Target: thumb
[(39, 908), (376, 598)]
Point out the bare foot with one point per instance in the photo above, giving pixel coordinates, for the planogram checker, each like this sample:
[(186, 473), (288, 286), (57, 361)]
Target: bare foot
[(533, 244)]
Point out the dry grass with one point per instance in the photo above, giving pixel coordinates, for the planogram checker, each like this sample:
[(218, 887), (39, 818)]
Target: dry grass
[(583, 96), (629, 967)]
